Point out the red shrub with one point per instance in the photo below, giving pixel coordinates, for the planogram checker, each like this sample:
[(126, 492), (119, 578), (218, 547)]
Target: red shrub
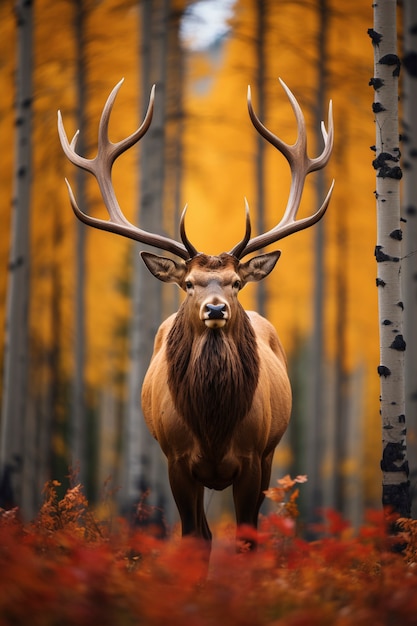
[(67, 568)]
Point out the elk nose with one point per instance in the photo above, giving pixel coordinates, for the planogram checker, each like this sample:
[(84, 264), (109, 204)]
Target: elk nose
[(216, 311), (214, 315)]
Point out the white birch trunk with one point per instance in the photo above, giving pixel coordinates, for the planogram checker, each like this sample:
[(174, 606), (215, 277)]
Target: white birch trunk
[(409, 275), (388, 251)]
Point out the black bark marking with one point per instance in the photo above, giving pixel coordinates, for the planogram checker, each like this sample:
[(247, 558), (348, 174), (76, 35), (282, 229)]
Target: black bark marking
[(377, 107), (391, 59), (399, 344), (390, 172), (384, 371), (397, 234), (401, 305), (393, 458), (382, 159), (401, 419), (397, 498), (380, 282), (411, 210), (376, 83), (375, 37), (387, 323), (385, 170), (381, 257)]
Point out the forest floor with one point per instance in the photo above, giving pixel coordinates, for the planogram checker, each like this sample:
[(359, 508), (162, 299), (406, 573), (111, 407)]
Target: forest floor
[(68, 567)]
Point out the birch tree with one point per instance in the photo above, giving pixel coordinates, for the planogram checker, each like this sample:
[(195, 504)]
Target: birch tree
[(388, 251), (17, 332), (409, 132)]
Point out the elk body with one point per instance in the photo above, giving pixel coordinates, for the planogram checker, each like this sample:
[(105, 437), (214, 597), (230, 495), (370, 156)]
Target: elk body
[(216, 395)]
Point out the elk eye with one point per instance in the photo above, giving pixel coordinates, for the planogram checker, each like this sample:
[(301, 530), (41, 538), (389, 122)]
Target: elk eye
[(236, 284), (188, 284)]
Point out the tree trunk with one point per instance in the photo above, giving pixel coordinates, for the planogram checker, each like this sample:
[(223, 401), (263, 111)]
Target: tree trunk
[(141, 452), (388, 251), (409, 275), (175, 118), (345, 420), (262, 15), (78, 416), (17, 331), (316, 442)]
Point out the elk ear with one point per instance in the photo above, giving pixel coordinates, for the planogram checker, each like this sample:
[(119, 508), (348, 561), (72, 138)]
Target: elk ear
[(167, 270), (260, 266)]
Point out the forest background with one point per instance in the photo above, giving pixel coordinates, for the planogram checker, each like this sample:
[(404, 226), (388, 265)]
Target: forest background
[(82, 405)]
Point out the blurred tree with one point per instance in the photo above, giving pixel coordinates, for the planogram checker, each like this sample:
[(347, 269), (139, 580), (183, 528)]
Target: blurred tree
[(316, 418), (262, 9), (174, 129), (16, 364), (140, 451), (78, 413), (409, 275), (388, 251)]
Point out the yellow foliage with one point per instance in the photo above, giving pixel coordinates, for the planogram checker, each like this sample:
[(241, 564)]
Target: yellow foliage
[(219, 153)]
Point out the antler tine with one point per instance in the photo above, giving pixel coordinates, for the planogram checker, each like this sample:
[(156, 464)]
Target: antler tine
[(238, 249), (101, 167), (301, 165), (116, 149), (187, 243)]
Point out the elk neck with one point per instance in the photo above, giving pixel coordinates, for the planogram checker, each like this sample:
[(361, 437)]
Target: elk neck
[(212, 377)]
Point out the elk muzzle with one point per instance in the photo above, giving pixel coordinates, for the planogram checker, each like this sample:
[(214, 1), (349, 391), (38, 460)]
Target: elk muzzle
[(214, 315)]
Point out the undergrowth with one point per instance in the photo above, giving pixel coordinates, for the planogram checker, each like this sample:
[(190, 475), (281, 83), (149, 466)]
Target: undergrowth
[(69, 568)]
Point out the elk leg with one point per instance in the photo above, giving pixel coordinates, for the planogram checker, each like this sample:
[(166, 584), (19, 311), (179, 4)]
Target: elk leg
[(189, 498), (247, 497), (266, 477)]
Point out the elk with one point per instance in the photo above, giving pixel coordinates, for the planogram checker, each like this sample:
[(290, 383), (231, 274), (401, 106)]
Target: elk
[(216, 395)]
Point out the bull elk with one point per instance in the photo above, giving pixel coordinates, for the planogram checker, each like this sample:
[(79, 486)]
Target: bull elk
[(216, 395)]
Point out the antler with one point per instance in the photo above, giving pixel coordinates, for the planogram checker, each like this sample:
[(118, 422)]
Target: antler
[(101, 167), (300, 165)]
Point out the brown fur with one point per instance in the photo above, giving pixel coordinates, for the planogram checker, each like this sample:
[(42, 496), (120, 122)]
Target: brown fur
[(212, 378), (217, 398)]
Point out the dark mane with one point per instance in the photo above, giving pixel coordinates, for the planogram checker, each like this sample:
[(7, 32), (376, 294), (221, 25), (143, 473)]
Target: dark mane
[(212, 377)]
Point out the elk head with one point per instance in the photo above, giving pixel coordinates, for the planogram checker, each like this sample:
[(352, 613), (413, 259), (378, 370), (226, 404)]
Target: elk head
[(191, 272), (212, 283)]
